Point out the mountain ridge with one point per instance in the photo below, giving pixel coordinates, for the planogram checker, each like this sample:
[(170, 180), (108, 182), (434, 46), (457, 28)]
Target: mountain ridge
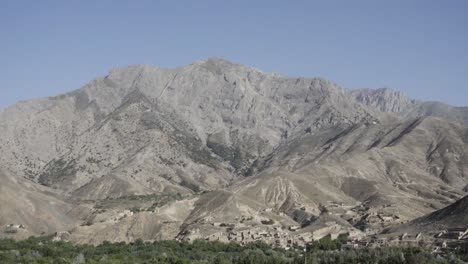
[(233, 145)]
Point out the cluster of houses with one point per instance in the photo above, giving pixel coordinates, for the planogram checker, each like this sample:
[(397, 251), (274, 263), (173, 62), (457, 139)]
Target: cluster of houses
[(276, 236), (268, 231), (251, 228), (452, 239), (443, 241), (293, 236)]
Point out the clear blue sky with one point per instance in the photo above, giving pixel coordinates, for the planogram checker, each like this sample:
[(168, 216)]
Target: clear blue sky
[(419, 47)]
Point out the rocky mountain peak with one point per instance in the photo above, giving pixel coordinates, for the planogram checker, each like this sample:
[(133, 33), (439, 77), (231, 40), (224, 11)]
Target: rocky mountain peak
[(384, 99)]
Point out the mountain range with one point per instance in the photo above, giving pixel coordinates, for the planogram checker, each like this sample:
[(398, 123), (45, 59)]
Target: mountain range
[(215, 149)]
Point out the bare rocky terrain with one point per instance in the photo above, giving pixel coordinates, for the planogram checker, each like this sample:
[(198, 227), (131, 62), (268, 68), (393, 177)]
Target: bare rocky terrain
[(221, 151), (454, 216)]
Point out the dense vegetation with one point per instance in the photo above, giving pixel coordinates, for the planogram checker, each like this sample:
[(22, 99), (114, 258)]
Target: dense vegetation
[(43, 250)]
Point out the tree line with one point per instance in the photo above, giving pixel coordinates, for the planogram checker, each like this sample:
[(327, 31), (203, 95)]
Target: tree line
[(44, 250)]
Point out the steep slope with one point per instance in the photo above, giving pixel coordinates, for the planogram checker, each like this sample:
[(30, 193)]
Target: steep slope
[(30, 209), (452, 216), (143, 149), (434, 225), (209, 118)]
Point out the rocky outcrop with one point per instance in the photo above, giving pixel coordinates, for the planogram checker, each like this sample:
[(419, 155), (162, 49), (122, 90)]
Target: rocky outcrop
[(385, 100), (391, 101)]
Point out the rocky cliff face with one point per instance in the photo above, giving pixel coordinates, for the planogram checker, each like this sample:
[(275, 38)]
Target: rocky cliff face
[(391, 101), (385, 100), (231, 145)]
